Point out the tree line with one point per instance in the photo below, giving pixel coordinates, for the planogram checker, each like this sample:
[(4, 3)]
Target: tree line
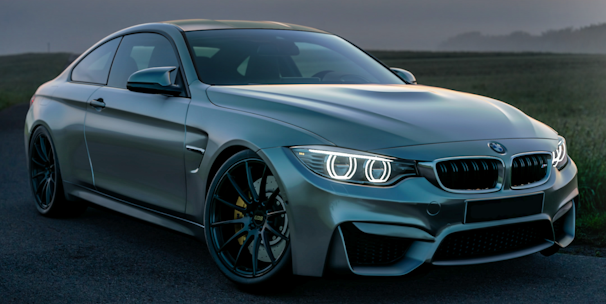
[(589, 39)]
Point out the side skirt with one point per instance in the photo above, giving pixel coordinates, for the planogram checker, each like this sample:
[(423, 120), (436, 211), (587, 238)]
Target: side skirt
[(146, 214)]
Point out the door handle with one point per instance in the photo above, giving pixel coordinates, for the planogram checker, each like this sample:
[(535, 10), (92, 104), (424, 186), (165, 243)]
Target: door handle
[(98, 104)]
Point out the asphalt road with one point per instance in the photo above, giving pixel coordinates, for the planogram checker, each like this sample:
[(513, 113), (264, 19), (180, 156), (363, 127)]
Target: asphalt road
[(106, 257)]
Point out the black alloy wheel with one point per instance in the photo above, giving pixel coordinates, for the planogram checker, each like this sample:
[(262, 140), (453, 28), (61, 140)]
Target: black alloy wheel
[(246, 223), (45, 178), (43, 171)]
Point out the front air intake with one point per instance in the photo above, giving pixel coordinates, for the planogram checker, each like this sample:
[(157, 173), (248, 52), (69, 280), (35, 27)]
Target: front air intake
[(372, 250), (492, 241), (469, 174)]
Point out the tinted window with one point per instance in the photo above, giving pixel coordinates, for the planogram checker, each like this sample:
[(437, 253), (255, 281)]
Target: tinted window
[(141, 51), (95, 66), (258, 56)]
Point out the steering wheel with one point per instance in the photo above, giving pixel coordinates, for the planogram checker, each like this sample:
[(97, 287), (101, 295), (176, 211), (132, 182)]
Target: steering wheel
[(329, 76), (321, 74), (353, 78)]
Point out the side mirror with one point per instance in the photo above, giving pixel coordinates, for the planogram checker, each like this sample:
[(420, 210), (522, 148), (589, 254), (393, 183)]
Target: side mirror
[(405, 75), (153, 80)]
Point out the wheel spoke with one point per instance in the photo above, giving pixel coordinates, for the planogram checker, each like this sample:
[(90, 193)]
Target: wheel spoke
[(233, 237), (39, 153), (263, 184), (48, 192), (240, 193), (43, 147), (38, 192), (244, 245), (38, 174), (267, 247), (42, 191), (50, 156), (251, 185), (37, 162), (40, 184), (255, 254), (273, 196), (275, 213), (233, 206), (234, 221), (274, 231)]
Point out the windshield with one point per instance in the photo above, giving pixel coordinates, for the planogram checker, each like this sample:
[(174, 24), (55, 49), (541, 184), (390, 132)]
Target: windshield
[(261, 56)]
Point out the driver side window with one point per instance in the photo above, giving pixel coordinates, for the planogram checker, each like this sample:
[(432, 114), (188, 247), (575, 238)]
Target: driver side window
[(142, 51)]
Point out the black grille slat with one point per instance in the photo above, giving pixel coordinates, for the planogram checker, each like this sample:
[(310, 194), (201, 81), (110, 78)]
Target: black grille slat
[(492, 241), (366, 249), (468, 174), (528, 169)]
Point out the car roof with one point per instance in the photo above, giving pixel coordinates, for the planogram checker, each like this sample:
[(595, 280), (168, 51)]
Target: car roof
[(208, 24)]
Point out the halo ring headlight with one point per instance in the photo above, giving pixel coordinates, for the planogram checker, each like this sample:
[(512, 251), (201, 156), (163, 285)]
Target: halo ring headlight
[(352, 166), (330, 167), (370, 176), (559, 156)]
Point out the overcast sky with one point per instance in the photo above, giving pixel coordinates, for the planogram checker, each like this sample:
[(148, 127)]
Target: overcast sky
[(74, 25)]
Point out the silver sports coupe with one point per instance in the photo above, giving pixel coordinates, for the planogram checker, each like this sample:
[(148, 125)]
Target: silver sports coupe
[(291, 151)]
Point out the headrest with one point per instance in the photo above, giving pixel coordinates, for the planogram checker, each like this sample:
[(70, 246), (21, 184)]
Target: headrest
[(278, 48)]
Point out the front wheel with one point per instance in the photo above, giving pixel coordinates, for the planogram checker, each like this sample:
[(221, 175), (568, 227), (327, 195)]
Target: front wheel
[(246, 223)]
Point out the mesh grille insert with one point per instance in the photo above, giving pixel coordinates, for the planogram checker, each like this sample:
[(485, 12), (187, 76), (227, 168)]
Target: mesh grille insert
[(368, 249), (492, 241), (528, 169), (469, 174)]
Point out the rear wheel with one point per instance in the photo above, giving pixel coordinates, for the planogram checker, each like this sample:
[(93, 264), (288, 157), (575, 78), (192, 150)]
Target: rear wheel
[(45, 178), (246, 223)]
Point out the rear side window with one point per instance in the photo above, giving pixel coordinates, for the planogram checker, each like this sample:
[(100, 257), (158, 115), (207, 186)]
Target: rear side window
[(141, 51), (94, 68)]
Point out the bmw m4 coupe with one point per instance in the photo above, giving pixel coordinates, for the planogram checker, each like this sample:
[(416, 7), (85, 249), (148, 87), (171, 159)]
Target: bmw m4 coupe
[(288, 150)]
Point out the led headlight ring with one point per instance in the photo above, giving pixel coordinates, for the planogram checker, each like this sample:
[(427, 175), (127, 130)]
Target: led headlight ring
[(384, 177)]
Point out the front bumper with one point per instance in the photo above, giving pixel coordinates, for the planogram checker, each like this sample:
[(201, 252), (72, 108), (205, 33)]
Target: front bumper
[(320, 210)]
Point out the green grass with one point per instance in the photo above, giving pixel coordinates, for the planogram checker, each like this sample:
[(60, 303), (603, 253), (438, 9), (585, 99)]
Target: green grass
[(565, 91), (20, 75)]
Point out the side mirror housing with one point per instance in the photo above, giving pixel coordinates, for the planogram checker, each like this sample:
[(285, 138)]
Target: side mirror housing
[(154, 81), (405, 75)]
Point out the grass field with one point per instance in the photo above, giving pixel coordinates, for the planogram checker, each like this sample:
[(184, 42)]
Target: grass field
[(567, 92), (20, 75)]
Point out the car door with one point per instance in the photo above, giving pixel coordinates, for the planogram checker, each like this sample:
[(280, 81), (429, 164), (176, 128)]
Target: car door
[(88, 75), (135, 140)]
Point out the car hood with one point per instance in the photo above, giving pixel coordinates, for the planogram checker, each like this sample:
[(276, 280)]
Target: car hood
[(371, 117)]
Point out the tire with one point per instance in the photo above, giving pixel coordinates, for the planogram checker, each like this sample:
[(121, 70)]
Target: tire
[(45, 178), (241, 221)]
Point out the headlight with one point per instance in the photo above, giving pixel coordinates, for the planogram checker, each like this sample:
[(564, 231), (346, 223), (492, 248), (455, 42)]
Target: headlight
[(559, 157), (354, 166)]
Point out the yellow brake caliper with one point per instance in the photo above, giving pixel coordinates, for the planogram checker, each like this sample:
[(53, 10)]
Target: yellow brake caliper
[(237, 215)]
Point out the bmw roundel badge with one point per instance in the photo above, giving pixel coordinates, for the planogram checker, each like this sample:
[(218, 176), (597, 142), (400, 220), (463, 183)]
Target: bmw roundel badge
[(497, 147)]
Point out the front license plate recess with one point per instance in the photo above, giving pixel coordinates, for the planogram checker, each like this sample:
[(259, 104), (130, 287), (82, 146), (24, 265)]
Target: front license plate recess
[(503, 208)]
